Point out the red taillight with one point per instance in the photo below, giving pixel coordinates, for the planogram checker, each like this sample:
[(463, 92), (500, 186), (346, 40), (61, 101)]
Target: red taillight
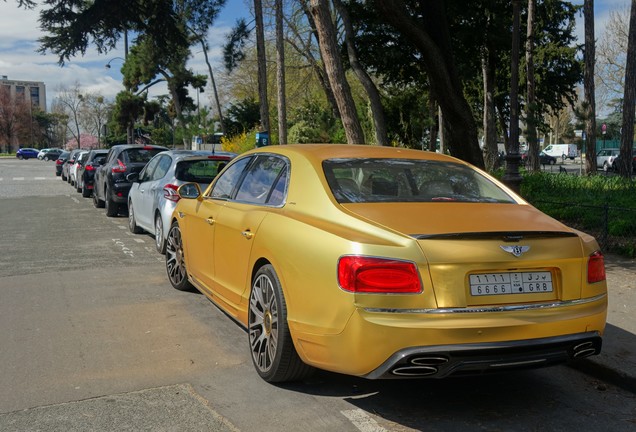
[(596, 267), (59, 162), (170, 192), (359, 274), (120, 168), (89, 167)]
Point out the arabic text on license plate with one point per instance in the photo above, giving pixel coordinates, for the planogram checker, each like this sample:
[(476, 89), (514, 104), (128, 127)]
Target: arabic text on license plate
[(510, 283)]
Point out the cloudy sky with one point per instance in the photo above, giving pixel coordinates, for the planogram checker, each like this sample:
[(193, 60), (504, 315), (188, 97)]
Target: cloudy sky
[(19, 31)]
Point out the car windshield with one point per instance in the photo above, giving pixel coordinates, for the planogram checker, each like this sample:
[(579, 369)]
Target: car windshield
[(403, 180)]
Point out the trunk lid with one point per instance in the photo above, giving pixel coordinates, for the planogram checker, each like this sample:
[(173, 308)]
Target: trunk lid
[(487, 254)]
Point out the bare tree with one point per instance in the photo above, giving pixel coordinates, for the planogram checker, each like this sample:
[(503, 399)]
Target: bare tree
[(94, 114), (13, 115), (610, 58), (589, 90), (629, 99), (72, 99), (335, 71)]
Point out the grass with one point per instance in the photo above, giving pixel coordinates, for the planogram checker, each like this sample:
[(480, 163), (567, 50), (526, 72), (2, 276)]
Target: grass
[(604, 206)]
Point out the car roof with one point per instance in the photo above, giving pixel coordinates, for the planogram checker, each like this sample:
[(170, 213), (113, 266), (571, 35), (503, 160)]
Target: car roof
[(199, 154), (319, 152)]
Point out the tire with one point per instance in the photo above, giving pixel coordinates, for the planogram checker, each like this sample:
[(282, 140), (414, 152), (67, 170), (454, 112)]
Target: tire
[(20, 157), (46, 158), (132, 223), (112, 209), (86, 192), (78, 187), (160, 241), (606, 166), (271, 345), (175, 260), (96, 201), (552, 161)]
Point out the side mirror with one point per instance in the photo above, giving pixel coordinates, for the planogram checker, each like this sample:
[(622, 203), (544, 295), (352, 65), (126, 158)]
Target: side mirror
[(133, 177), (189, 191)]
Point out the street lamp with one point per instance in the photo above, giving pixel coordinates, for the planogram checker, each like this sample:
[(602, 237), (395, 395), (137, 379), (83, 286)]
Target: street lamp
[(107, 65)]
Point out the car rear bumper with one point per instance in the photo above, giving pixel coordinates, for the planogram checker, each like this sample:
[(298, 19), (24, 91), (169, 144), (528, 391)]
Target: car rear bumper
[(438, 343), (475, 359)]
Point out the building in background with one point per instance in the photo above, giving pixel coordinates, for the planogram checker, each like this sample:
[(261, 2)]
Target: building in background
[(34, 90)]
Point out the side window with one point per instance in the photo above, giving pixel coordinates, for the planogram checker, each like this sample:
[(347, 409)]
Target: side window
[(226, 183), (258, 185), (162, 167), (146, 173)]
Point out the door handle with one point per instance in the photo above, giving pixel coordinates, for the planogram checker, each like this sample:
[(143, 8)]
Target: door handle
[(248, 234), (210, 221)]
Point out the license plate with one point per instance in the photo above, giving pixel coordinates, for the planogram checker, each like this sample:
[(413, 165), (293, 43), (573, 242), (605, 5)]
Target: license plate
[(510, 283)]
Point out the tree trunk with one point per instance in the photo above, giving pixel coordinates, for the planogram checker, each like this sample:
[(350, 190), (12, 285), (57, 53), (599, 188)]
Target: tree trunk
[(432, 111), (491, 152), (432, 40), (368, 84), (629, 98), (204, 46), (589, 89), (320, 71), (531, 105), (280, 75), (335, 71), (512, 177), (262, 65)]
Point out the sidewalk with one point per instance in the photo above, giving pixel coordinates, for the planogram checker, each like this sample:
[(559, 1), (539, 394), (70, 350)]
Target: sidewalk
[(617, 362)]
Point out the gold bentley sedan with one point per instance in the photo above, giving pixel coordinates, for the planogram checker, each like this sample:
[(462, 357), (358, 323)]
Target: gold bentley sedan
[(385, 263)]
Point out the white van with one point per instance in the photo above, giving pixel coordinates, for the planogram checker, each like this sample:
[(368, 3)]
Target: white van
[(562, 151)]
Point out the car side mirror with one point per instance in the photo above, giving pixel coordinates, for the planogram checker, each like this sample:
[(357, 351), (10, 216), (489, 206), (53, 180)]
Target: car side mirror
[(189, 191)]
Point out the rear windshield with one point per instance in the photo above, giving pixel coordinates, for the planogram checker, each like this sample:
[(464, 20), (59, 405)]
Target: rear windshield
[(141, 155), (404, 180), (199, 171)]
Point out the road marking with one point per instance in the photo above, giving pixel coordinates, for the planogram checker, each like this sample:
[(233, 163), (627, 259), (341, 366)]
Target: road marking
[(39, 178), (362, 421), (18, 178), (121, 227), (139, 240)]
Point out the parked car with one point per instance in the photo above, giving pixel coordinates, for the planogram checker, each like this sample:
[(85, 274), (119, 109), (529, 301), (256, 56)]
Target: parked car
[(153, 194), (60, 161), (68, 163), (605, 158), (111, 185), (27, 153), (80, 158), (544, 159), (48, 154), (361, 260), (562, 151), (617, 162), (86, 171)]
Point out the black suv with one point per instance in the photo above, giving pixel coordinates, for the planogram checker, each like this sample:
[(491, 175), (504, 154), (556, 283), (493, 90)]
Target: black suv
[(86, 171), (110, 187)]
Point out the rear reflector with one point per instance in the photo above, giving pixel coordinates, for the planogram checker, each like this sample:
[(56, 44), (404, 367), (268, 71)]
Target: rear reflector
[(596, 267), (360, 274)]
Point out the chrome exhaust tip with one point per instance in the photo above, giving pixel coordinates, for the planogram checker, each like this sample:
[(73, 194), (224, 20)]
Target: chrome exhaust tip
[(414, 371)]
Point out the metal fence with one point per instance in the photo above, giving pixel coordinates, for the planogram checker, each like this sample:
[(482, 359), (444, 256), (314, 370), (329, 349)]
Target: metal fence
[(613, 227)]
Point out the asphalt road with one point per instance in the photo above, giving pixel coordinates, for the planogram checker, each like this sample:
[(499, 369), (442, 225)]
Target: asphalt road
[(93, 337)]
